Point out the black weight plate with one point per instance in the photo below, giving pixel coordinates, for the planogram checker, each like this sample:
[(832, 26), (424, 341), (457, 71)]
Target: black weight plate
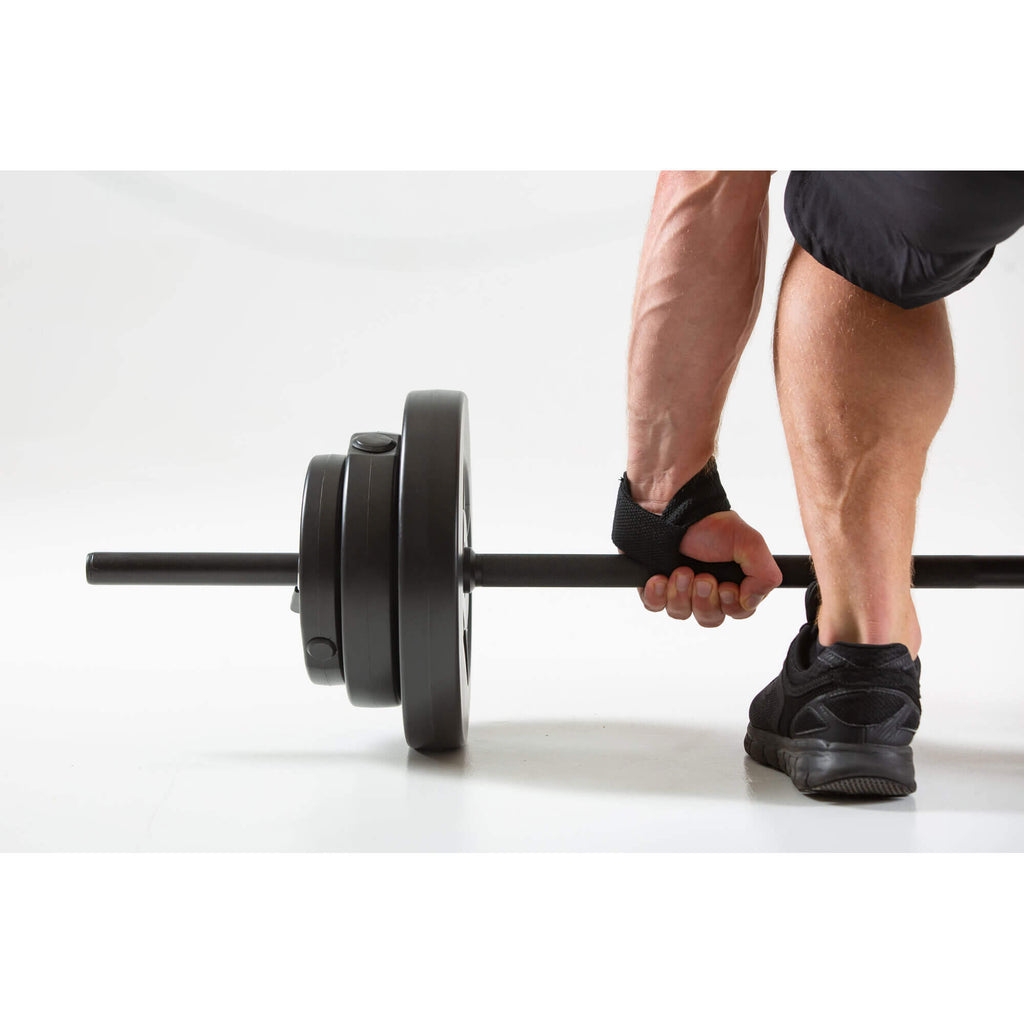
[(319, 569), (369, 613), (434, 624)]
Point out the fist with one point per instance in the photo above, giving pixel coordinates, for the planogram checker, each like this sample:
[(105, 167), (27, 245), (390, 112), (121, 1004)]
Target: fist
[(722, 537)]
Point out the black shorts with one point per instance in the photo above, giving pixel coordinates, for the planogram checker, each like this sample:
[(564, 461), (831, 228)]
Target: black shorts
[(911, 237)]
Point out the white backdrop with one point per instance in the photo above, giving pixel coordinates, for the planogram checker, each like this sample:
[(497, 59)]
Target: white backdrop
[(176, 347)]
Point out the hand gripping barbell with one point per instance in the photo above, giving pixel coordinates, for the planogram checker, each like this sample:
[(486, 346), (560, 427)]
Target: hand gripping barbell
[(385, 571)]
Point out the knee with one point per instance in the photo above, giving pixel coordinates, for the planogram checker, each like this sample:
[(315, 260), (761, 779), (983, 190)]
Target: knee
[(905, 276), (887, 236), (924, 278)]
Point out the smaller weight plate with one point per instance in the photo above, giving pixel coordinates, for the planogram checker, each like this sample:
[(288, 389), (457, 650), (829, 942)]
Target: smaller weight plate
[(369, 611), (319, 570), (433, 606)]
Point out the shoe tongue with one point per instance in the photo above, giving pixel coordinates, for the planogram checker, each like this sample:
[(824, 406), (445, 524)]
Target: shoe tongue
[(812, 601)]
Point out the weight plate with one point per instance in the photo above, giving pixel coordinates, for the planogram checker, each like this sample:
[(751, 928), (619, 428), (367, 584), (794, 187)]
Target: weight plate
[(434, 611), (319, 569), (369, 614)]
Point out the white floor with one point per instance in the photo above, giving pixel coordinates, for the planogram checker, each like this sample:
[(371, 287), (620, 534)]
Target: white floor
[(568, 750)]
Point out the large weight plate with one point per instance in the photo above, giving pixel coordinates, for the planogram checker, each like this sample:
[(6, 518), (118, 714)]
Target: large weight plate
[(434, 624)]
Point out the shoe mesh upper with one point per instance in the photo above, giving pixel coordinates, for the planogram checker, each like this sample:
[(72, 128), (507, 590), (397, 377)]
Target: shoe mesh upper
[(855, 686)]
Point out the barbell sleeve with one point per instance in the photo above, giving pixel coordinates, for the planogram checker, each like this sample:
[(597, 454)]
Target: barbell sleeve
[(235, 569)]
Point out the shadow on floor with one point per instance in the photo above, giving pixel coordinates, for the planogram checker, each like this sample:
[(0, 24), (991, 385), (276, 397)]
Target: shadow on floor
[(659, 759), (674, 760), (604, 757), (621, 757)]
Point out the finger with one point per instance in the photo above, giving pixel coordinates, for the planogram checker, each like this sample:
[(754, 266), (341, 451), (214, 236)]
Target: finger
[(726, 536), (762, 574), (654, 592), (729, 599), (706, 608), (678, 602), (752, 594), (754, 590)]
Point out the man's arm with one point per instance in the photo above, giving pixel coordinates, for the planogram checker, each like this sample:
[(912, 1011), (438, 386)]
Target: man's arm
[(697, 297)]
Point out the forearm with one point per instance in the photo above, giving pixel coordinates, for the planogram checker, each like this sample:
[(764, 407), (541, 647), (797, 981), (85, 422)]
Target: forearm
[(697, 297)]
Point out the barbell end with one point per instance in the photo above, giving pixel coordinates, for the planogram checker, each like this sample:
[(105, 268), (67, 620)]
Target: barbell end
[(232, 569)]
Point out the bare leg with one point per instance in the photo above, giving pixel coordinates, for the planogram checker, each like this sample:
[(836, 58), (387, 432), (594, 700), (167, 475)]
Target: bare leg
[(863, 387)]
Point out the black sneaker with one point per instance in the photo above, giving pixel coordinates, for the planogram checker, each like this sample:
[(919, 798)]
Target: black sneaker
[(839, 719)]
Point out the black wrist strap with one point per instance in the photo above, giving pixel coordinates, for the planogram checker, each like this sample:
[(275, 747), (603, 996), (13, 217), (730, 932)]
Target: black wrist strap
[(653, 540)]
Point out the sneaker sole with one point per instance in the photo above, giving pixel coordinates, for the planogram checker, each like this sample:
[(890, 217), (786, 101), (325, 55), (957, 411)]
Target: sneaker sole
[(845, 769)]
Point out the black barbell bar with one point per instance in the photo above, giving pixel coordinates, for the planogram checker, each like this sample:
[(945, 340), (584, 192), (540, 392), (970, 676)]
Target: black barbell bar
[(242, 569), (185, 568)]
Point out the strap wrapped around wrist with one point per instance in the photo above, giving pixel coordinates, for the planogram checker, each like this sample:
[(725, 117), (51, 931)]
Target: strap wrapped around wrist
[(654, 540)]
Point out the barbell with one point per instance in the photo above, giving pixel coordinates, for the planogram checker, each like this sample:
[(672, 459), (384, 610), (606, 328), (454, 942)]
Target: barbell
[(385, 571)]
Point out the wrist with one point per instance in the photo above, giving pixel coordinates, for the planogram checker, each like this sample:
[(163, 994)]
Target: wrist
[(653, 487), (654, 539)]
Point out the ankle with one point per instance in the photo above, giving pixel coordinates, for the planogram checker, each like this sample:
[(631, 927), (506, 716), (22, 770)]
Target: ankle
[(836, 624)]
